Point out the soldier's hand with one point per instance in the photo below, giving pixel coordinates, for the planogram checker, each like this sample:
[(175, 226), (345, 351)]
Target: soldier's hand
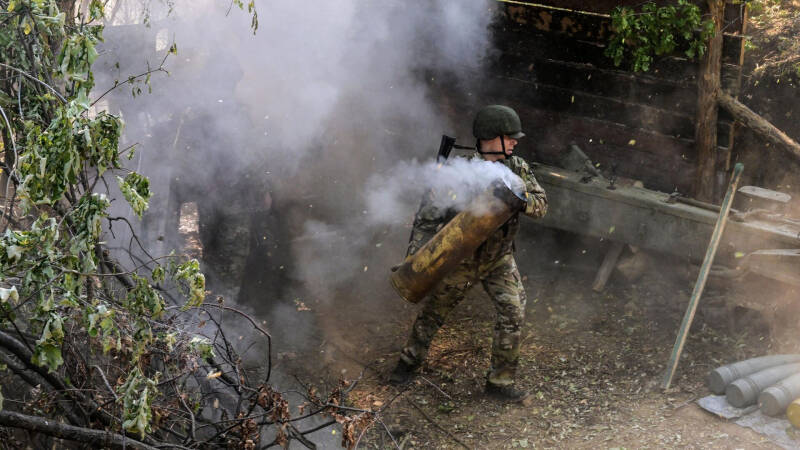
[(395, 267), (530, 205)]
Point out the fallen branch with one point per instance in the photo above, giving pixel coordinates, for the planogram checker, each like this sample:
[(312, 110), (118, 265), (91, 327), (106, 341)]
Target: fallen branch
[(69, 432), (757, 123), (23, 354), (436, 424), (33, 379), (760, 70)]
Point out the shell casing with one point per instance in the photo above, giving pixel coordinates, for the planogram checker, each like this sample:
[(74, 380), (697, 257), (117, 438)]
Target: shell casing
[(457, 240), (793, 413)]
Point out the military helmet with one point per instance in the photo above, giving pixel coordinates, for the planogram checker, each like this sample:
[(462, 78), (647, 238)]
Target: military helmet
[(497, 120)]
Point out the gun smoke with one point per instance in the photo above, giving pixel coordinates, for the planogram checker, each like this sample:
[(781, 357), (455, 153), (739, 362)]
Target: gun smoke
[(390, 197), (312, 121)]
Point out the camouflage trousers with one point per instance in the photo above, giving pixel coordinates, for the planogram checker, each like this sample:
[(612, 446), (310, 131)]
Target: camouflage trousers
[(501, 280)]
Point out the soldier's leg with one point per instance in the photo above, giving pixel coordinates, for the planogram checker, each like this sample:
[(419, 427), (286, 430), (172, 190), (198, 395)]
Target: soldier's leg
[(445, 297), (229, 256), (504, 285)]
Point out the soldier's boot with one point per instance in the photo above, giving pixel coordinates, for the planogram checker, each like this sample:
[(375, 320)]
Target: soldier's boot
[(505, 392), (402, 373)]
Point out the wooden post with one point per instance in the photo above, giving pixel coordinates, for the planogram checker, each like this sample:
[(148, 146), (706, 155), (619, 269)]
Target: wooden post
[(609, 262), (705, 135), (735, 12)]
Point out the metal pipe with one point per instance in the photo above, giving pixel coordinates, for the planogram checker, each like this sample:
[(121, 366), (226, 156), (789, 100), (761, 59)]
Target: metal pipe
[(457, 240), (703, 275), (744, 391), (721, 377), (774, 399)]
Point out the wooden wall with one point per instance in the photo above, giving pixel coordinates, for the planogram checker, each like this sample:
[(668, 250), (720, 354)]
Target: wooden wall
[(552, 70)]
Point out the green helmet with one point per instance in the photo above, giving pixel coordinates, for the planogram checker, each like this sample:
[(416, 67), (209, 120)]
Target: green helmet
[(497, 120)]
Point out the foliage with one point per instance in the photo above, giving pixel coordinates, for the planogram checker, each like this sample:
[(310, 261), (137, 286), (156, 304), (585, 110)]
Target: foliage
[(101, 334), (136, 190), (657, 31), (251, 8), (773, 26)]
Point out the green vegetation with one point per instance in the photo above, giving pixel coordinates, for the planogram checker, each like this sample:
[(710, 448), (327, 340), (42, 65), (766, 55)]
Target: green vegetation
[(641, 36), (63, 288), (85, 340)]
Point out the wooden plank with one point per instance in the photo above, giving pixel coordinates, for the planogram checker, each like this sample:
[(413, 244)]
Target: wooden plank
[(553, 98), (661, 162), (573, 24), (593, 28), (633, 88), (733, 49), (520, 49), (529, 42), (641, 88), (594, 6), (736, 22)]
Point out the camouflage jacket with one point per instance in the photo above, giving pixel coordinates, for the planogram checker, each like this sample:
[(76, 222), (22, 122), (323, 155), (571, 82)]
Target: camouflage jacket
[(430, 218)]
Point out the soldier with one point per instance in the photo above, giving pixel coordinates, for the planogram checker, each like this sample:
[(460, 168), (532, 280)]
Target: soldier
[(497, 129)]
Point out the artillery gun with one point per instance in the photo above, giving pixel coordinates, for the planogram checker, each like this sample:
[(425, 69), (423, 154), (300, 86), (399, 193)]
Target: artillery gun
[(586, 202)]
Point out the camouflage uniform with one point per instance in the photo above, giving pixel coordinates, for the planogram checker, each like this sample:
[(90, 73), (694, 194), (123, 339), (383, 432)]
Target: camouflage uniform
[(493, 265)]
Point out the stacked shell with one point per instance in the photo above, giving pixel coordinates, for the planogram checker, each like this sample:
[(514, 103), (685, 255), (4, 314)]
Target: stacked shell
[(771, 381)]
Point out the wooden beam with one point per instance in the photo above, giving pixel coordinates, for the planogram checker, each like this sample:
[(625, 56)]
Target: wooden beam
[(758, 124), (706, 127)]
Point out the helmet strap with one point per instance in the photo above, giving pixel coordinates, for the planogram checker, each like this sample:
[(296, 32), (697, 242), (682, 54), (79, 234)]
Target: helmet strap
[(502, 143)]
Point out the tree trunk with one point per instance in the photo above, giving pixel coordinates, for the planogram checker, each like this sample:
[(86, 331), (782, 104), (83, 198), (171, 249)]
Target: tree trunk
[(706, 129), (758, 124)]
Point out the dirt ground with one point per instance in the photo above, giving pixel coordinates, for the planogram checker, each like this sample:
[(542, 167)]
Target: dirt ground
[(593, 362)]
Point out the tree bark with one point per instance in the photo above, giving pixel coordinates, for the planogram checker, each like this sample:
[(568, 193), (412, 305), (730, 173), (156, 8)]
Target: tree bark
[(758, 124), (69, 432), (706, 129)]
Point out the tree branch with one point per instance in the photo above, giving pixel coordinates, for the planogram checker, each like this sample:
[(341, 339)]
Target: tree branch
[(33, 78), (69, 432), (758, 124), (33, 379)]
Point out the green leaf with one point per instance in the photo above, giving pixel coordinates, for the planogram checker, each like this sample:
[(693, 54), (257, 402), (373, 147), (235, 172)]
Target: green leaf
[(96, 10), (136, 190), (49, 356), (10, 294), (202, 346), (195, 282)]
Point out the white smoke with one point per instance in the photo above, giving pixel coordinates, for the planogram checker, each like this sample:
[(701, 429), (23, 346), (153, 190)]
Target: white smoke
[(328, 102), (391, 196)]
